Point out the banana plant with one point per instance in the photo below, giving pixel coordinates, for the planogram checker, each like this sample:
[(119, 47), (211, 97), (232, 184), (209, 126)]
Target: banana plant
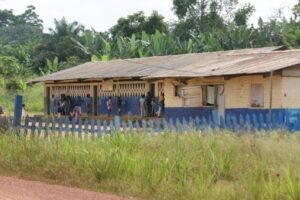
[(52, 66)]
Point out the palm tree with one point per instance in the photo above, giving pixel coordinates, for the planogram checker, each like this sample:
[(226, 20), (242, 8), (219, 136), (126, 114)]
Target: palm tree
[(63, 28)]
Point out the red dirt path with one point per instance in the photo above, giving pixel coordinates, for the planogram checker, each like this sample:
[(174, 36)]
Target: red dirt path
[(18, 189)]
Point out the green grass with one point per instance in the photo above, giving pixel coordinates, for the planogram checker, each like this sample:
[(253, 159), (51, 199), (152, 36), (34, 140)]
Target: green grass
[(169, 166), (33, 98)]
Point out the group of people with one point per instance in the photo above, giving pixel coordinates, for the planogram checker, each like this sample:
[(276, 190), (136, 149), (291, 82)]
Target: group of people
[(109, 105), (68, 106), (147, 105)]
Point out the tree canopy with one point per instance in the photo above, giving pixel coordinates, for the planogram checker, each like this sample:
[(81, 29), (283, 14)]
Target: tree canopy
[(26, 50)]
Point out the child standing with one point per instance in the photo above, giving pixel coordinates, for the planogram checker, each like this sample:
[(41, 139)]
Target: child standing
[(109, 106), (24, 111)]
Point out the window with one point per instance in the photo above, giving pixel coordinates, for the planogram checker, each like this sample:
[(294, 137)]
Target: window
[(209, 95), (257, 96), (177, 91), (197, 96), (192, 96)]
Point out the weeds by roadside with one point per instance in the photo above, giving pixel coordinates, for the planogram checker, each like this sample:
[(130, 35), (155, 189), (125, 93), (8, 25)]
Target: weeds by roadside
[(169, 166)]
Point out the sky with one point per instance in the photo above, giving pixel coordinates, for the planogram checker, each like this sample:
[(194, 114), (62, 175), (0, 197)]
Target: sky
[(102, 14)]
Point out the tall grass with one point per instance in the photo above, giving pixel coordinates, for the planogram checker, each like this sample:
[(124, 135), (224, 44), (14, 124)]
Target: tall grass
[(169, 166), (33, 98)]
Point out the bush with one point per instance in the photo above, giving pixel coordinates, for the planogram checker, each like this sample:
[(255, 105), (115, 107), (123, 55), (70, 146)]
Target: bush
[(16, 84)]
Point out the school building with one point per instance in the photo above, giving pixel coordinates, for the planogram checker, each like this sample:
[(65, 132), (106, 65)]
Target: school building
[(237, 81)]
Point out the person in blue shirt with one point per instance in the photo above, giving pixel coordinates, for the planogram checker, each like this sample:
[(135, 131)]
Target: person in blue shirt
[(89, 104)]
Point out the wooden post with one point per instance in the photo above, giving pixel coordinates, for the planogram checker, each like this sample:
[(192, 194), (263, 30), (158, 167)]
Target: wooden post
[(271, 96)]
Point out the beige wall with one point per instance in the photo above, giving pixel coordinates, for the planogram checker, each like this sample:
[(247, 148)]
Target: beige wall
[(172, 101), (291, 92), (237, 90)]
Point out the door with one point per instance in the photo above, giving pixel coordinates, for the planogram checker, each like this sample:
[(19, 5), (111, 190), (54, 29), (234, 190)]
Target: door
[(95, 100), (152, 89), (220, 100), (47, 101)]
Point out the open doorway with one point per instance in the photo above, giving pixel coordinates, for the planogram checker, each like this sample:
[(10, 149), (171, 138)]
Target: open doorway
[(95, 100), (47, 101), (152, 89), (220, 100)]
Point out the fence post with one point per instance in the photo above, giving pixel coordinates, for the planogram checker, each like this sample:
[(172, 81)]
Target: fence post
[(111, 128), (144, 125), (248, 123), (18, 113), (86, 128), (124, 126), (178, 125), (255, 122), (117, 122), (171, 122), (53, 125), (40, 126), (228, 121), (99, 128), (80, 128), (205, 125), (151, 126), (104, 126), (235, 123), (73, 126), (26, 126), (222, 122), (274, 121), (47, 127), (165, 124), (157, 125), (241, 122), (60, 123), (197, 122), (130, 125), (184, 124), (67, 127), (33, 126), (137, 125), (93, 128)]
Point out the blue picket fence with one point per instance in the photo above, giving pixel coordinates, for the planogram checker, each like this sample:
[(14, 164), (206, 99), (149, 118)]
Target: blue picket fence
[(242, 123)]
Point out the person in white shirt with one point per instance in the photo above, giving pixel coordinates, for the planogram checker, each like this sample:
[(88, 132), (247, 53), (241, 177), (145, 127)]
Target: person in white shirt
[(142, 106)]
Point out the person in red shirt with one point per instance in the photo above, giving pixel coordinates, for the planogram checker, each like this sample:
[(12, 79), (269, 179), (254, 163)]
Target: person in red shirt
[(109, 106)]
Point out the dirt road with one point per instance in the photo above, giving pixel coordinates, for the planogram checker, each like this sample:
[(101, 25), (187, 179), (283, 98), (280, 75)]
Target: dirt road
[(18, 189)]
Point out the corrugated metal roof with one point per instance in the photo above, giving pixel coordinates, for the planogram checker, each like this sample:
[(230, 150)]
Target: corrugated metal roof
[(246, 61)]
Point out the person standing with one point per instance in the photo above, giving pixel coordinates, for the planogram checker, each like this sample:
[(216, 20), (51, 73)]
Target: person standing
[(78, 103), (142, 106), (89, 104), (119, 105), (109, 105), (24, 111), (53, 105), (161, 104), (148, 104)]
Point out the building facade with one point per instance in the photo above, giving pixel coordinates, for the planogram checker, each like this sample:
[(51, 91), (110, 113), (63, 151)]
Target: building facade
[(233, 82)]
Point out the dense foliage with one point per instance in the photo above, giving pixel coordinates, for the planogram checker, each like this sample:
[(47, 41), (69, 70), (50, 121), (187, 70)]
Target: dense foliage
[(27, 50)]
